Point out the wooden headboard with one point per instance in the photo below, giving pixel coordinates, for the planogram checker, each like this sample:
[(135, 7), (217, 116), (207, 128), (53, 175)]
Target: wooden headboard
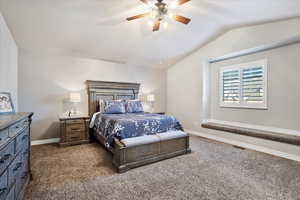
[(109, 91)]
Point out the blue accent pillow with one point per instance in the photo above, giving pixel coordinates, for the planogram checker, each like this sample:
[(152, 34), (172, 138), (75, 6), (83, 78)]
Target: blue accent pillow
[(114, 107), (134, 106)]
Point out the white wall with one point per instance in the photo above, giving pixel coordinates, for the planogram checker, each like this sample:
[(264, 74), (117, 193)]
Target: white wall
[(184, 79), (8, 62), (283, 90), (45, 82)]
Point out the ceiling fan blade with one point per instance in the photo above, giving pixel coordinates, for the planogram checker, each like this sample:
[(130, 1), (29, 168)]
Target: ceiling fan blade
[(137, 16), (145, 1), (182, 19), (180, 2), (156, 25)]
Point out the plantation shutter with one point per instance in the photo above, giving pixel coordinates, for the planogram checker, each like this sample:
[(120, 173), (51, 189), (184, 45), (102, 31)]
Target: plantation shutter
[(244, 85), (231, 86), (253, 85)]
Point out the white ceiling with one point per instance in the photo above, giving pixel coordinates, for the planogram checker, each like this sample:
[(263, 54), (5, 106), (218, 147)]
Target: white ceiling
[(98, 29)]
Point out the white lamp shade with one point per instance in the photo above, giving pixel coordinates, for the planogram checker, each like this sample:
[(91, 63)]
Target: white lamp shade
[(75, 97), (151, 97)]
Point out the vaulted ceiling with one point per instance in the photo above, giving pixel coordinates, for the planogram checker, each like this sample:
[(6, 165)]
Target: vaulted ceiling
[(98, 29)]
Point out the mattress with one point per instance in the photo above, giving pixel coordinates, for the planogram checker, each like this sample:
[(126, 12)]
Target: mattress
[(128, 125)]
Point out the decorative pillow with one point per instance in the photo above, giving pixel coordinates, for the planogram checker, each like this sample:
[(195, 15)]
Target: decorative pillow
[(114, 107), (134, 106)]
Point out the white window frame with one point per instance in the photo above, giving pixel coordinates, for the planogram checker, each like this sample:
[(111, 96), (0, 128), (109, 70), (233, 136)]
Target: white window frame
[(241, 103)]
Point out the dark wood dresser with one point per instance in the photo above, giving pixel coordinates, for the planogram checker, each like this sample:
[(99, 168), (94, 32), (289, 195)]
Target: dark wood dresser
[(14, 155), (74, 130)]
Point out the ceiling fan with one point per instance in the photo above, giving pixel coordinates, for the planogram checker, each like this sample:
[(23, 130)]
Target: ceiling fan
[(160, 10)]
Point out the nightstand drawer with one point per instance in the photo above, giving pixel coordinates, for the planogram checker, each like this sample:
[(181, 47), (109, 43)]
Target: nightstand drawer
[(75, 136), (75, 121), (75, 128)]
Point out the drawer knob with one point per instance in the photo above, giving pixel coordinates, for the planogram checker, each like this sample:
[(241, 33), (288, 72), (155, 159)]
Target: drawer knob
[(24, 175), (4, 158), (25, 152), (18, 165), (24, 137), (2, 190)]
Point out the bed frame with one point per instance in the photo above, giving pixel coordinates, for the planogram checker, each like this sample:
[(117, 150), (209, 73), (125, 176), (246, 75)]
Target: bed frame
[(125, 158)]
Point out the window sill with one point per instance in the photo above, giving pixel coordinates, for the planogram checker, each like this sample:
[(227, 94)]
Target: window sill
[(275, 136), (244, 106)]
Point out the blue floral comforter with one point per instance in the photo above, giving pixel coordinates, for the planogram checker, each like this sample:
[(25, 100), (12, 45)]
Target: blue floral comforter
[(129, 125)]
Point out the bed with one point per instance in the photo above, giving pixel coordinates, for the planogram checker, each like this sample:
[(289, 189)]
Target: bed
[(134, 139)]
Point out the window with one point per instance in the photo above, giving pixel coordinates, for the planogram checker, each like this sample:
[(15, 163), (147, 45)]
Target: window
[(244, 85)]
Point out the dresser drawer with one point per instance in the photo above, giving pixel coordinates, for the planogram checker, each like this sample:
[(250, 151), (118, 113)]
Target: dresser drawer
[(11, 194), (24, 170), (3, 185), (15, 169), (3, 136), (25, 153), (21, 180), (22, 140), (25, 160), (16, 128), (6, 156)]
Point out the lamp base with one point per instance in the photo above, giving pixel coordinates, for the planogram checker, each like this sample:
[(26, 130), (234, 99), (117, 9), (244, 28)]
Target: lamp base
[(73, 112)]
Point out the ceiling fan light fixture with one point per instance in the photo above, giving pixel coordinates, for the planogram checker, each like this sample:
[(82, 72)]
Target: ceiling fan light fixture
[(151, 5), (160, 11), (171, 15), (174, 5), (165, 25), (150, 23), (154, 13)]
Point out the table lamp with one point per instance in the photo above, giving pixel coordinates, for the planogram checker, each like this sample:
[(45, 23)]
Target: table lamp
[(151, 100), (74, 98)]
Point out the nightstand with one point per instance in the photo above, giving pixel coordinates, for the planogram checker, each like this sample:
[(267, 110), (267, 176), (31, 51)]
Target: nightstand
[(74, 130)]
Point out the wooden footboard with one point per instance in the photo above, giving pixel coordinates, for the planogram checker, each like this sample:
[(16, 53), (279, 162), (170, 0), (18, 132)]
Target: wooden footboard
[(125, 158)]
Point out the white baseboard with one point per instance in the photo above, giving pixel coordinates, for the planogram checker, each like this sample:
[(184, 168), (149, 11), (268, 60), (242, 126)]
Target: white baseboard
[(247, 145), (46, 141)]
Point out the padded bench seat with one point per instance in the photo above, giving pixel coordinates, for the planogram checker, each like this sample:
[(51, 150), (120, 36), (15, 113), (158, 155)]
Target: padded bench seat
[(171, 135), (148, 139)]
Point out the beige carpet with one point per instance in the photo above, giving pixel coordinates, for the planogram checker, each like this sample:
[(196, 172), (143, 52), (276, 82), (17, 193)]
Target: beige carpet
[(213, 171)]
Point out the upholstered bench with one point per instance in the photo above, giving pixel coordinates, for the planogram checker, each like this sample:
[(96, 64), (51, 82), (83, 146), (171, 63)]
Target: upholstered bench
[(148, 139), (171, 135), (132, 152), (136, 141)]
